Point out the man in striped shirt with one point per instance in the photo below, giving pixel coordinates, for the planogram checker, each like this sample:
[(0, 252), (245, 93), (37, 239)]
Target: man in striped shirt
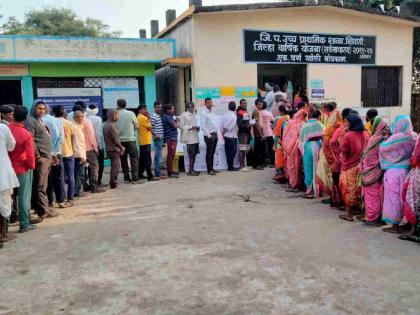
[(157, 131)]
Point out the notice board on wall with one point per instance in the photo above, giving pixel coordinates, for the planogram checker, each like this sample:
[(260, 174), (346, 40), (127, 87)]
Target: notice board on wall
[(115, 89), (68, 96), (284, 48)]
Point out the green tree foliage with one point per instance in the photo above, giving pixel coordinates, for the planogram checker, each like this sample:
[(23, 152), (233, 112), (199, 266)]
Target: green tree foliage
[(58, 22)]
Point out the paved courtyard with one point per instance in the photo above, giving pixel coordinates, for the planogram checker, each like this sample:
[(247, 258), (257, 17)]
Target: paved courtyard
[(228, 244)]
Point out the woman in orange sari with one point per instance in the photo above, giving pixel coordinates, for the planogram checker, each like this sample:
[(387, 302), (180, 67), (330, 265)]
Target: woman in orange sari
[(326, 160), (291, 148), (279, 127)]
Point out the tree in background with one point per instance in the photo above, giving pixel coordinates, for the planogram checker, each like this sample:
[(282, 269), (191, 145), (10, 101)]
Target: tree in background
[(58, 22)]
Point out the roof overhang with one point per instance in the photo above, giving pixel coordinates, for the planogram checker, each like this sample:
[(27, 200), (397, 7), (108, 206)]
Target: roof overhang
[(177, 62)]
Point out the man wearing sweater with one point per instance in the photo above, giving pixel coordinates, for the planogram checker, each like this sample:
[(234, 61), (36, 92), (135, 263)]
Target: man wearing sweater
[(127, 126)]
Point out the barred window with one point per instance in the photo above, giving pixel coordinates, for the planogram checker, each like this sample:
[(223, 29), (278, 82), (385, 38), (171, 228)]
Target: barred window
[(381, 86)]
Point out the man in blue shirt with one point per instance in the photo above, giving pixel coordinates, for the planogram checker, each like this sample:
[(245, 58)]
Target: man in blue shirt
[(170, 128), (56, 178)]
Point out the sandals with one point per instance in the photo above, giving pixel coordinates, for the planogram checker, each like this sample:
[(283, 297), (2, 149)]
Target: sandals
[(346, 218), (308, 197), (415, 239)]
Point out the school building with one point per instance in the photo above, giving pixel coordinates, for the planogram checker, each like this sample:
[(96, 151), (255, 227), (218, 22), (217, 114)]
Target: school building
[(356, 57), (62, 70)]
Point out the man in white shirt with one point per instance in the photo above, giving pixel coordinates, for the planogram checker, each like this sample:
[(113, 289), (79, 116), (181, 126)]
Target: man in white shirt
[(229, 131), (92, 114), (189, 136), (209, 126)]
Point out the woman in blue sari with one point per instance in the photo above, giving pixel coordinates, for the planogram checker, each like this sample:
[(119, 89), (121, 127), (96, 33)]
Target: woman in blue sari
[(310, 142)]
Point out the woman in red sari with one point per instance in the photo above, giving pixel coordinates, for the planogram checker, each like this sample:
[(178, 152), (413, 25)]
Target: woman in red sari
[(291, 148), (411, 197), (352, 146)]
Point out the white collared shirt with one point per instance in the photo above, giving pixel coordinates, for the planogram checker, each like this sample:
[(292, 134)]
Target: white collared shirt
[(229, 127), (187, 121), (208, 122)]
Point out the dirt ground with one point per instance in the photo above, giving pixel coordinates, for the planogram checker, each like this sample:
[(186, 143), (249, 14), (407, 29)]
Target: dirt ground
[(197, 246)]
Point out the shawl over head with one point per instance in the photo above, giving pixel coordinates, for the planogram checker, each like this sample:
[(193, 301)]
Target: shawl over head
[(396, 151), (370, 167)]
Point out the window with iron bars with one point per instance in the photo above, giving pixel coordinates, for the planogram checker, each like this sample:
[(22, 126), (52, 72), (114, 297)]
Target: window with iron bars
[(381, 86)]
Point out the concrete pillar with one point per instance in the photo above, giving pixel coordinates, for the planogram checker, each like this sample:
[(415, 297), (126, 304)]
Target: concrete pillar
[(170, 16), (154, 27), (142, 33), (197, 3), (27, 91)]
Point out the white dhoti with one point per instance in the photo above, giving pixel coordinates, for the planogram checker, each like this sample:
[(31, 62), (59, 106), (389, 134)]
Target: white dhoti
[(6, 203)]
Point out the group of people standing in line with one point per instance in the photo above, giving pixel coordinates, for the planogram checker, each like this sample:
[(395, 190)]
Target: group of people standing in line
[(369, 171)]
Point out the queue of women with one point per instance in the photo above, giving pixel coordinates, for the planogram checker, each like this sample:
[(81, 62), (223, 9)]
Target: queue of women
[(370, 172)]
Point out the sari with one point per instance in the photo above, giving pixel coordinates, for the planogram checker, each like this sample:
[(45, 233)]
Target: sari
[(352, 146), (395, 154), (326, 157), (411, 192), (291, 147), (279, 127), (310, 144), (371, 173)]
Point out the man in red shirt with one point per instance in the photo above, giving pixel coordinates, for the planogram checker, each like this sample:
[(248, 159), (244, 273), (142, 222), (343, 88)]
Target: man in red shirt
[(23, 162)]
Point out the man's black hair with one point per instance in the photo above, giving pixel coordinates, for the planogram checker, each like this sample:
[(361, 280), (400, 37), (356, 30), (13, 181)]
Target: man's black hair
[(121, 103), (20, 113), (58, 111), (81, 104), (92, 106), (168, 107), (157, 103), (232, 106), (259, 100), (77, 107), (141, 106), (207, 99), (316, 114)]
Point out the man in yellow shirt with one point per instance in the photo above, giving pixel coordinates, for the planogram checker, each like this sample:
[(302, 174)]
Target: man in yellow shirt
[(145, 143)]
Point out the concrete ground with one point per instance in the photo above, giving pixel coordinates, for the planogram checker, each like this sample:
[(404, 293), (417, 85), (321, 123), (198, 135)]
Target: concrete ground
[(196, 246)]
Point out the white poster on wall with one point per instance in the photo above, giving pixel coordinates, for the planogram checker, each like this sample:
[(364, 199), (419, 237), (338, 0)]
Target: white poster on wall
[(115, 89), (220, 162)]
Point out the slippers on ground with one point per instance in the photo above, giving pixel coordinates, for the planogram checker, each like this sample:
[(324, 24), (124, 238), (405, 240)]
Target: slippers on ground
[(345, 218), (392, 230), (410, 238), (308, 197)]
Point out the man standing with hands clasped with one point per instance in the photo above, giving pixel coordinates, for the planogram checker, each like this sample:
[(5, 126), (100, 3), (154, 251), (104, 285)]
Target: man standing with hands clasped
[(209, 126), (189, 136)]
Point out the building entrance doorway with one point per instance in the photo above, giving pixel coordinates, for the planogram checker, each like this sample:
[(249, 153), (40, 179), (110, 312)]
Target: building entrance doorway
[(10, 92), (293, 75)]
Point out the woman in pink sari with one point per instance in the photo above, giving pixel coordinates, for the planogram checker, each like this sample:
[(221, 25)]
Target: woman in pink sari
[(291, 148), (371, 174), (395, 154)]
